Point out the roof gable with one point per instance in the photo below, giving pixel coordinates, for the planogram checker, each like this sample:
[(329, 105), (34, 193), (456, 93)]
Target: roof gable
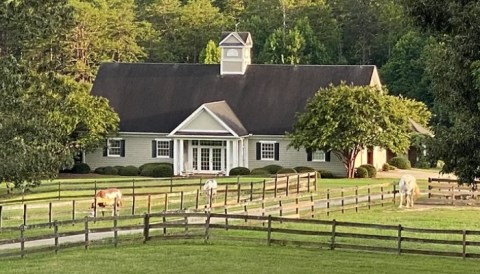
[(211, 118), (235, 39)]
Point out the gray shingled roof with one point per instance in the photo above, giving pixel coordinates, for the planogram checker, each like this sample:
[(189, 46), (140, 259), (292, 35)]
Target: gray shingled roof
[(158, 97), (223, 111)]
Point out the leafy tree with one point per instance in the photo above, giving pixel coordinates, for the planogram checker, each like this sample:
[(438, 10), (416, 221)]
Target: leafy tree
[(404, 73), (347, 119), (453, 68), (44, 120), (211, 53)]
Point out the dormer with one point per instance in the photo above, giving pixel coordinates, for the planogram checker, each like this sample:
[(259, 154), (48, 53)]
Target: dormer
[(235, 52)]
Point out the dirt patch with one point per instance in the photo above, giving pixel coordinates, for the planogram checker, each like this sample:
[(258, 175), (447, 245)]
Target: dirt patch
[(417, 173)]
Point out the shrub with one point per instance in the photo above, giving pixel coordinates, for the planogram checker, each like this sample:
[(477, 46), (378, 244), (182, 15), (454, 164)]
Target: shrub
[(361, 172), (119, 169), (391, 167), (99, 170), (303, 169), (325, 174), (272, 169), (385, 167), (80, 168), (239, 171), (110, 170), (260, 171), (372, 171), (400, 162), (142, 167), (128, 171), (157, 171), (286, 171), (422, 164)]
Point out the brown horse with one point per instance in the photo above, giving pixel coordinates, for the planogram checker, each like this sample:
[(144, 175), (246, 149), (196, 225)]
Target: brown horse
[(106, 198)]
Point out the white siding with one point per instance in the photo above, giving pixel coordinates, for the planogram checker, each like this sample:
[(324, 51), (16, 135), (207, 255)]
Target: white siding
[(290, 158), (138, 151), (202, 122)]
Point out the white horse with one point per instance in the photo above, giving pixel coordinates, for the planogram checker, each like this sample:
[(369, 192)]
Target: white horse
[(106, 198), (210, 190), (408, 188)]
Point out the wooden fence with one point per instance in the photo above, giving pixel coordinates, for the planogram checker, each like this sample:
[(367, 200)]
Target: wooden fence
[(449, 191), (76, 190), (236, 200), (263, 229)]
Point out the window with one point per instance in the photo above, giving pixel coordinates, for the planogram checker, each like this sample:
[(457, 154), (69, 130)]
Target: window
[(162, 148), (115, 147), (318, 156), (268, 150)]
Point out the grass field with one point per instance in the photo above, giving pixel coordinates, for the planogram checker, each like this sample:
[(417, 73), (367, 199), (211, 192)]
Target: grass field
[(174, 257)]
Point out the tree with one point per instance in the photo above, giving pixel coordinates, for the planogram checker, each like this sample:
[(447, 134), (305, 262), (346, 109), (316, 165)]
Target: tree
[(211, 53), (404, 73), (453, 68), (347, 119), (44, 119)]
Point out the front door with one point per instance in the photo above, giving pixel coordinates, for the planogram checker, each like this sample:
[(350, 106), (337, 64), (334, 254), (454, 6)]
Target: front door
[(208, 156)]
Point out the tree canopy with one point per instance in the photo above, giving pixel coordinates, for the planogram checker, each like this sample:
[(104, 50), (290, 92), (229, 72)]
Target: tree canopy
[(453, 67), (346, 119)]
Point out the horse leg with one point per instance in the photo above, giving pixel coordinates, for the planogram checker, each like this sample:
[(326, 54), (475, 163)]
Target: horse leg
[(401, 200), (409, 200)]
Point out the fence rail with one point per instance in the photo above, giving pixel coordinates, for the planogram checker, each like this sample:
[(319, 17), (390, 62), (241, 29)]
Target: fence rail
[(269, 229), (443, 190)]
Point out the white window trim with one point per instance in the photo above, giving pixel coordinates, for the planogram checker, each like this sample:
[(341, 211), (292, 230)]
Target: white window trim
[(108, 147), (318, 160), (261, 150), (169, 148)]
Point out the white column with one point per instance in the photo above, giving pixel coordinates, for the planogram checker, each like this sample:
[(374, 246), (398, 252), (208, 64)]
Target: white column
[(180, 157), (245, 152), (176, 170), (229, 155), (235, 154)]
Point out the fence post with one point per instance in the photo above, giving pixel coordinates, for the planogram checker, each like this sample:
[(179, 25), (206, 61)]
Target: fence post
[(59, 194), (269, 230), (115, 230), (149, 204), (356, 199), (196, 199), (394, 192), (181, 200), (166, 203), (287, 186), (312, 205), (73, 209), (280, 209), (55, 235), (24, 214), (343, 201), (171, 184), (381, 189), (50, 213), (22, 240), (225, 199), (133, 197), (328, 202), (429, 187), (315, 181), (251, 191), (399, 244), (297, 211), (334, 227), (1, 217), (245, 212), (86, 232), (146, 227), (207, 227), (298, 184), (238, 192), (226, 219), (308, 182), (263, 190), (275, 188), (464, 244)]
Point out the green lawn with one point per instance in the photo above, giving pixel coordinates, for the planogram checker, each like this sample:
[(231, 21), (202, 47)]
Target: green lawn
[(195, 257)]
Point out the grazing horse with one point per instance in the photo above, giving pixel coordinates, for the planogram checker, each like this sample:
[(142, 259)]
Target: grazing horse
[(106, 198), (210, 190), (408, 188)]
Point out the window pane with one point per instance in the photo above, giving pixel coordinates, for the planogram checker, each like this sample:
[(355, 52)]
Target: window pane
[(114, 147), (318, 156), (268, 151), (163, 148)]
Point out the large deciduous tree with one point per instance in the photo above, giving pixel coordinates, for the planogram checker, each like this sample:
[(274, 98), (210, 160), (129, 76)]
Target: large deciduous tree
[(453, 67), (44, 119), (346, 119)]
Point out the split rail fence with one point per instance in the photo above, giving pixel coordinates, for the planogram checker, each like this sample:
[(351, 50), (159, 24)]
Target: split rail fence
[(449, 191), (269, 230)]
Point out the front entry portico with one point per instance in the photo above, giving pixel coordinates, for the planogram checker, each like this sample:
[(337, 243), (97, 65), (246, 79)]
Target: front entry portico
[(207, 156)]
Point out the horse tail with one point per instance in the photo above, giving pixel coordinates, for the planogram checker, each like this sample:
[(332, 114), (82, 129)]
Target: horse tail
[(417, 192)]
